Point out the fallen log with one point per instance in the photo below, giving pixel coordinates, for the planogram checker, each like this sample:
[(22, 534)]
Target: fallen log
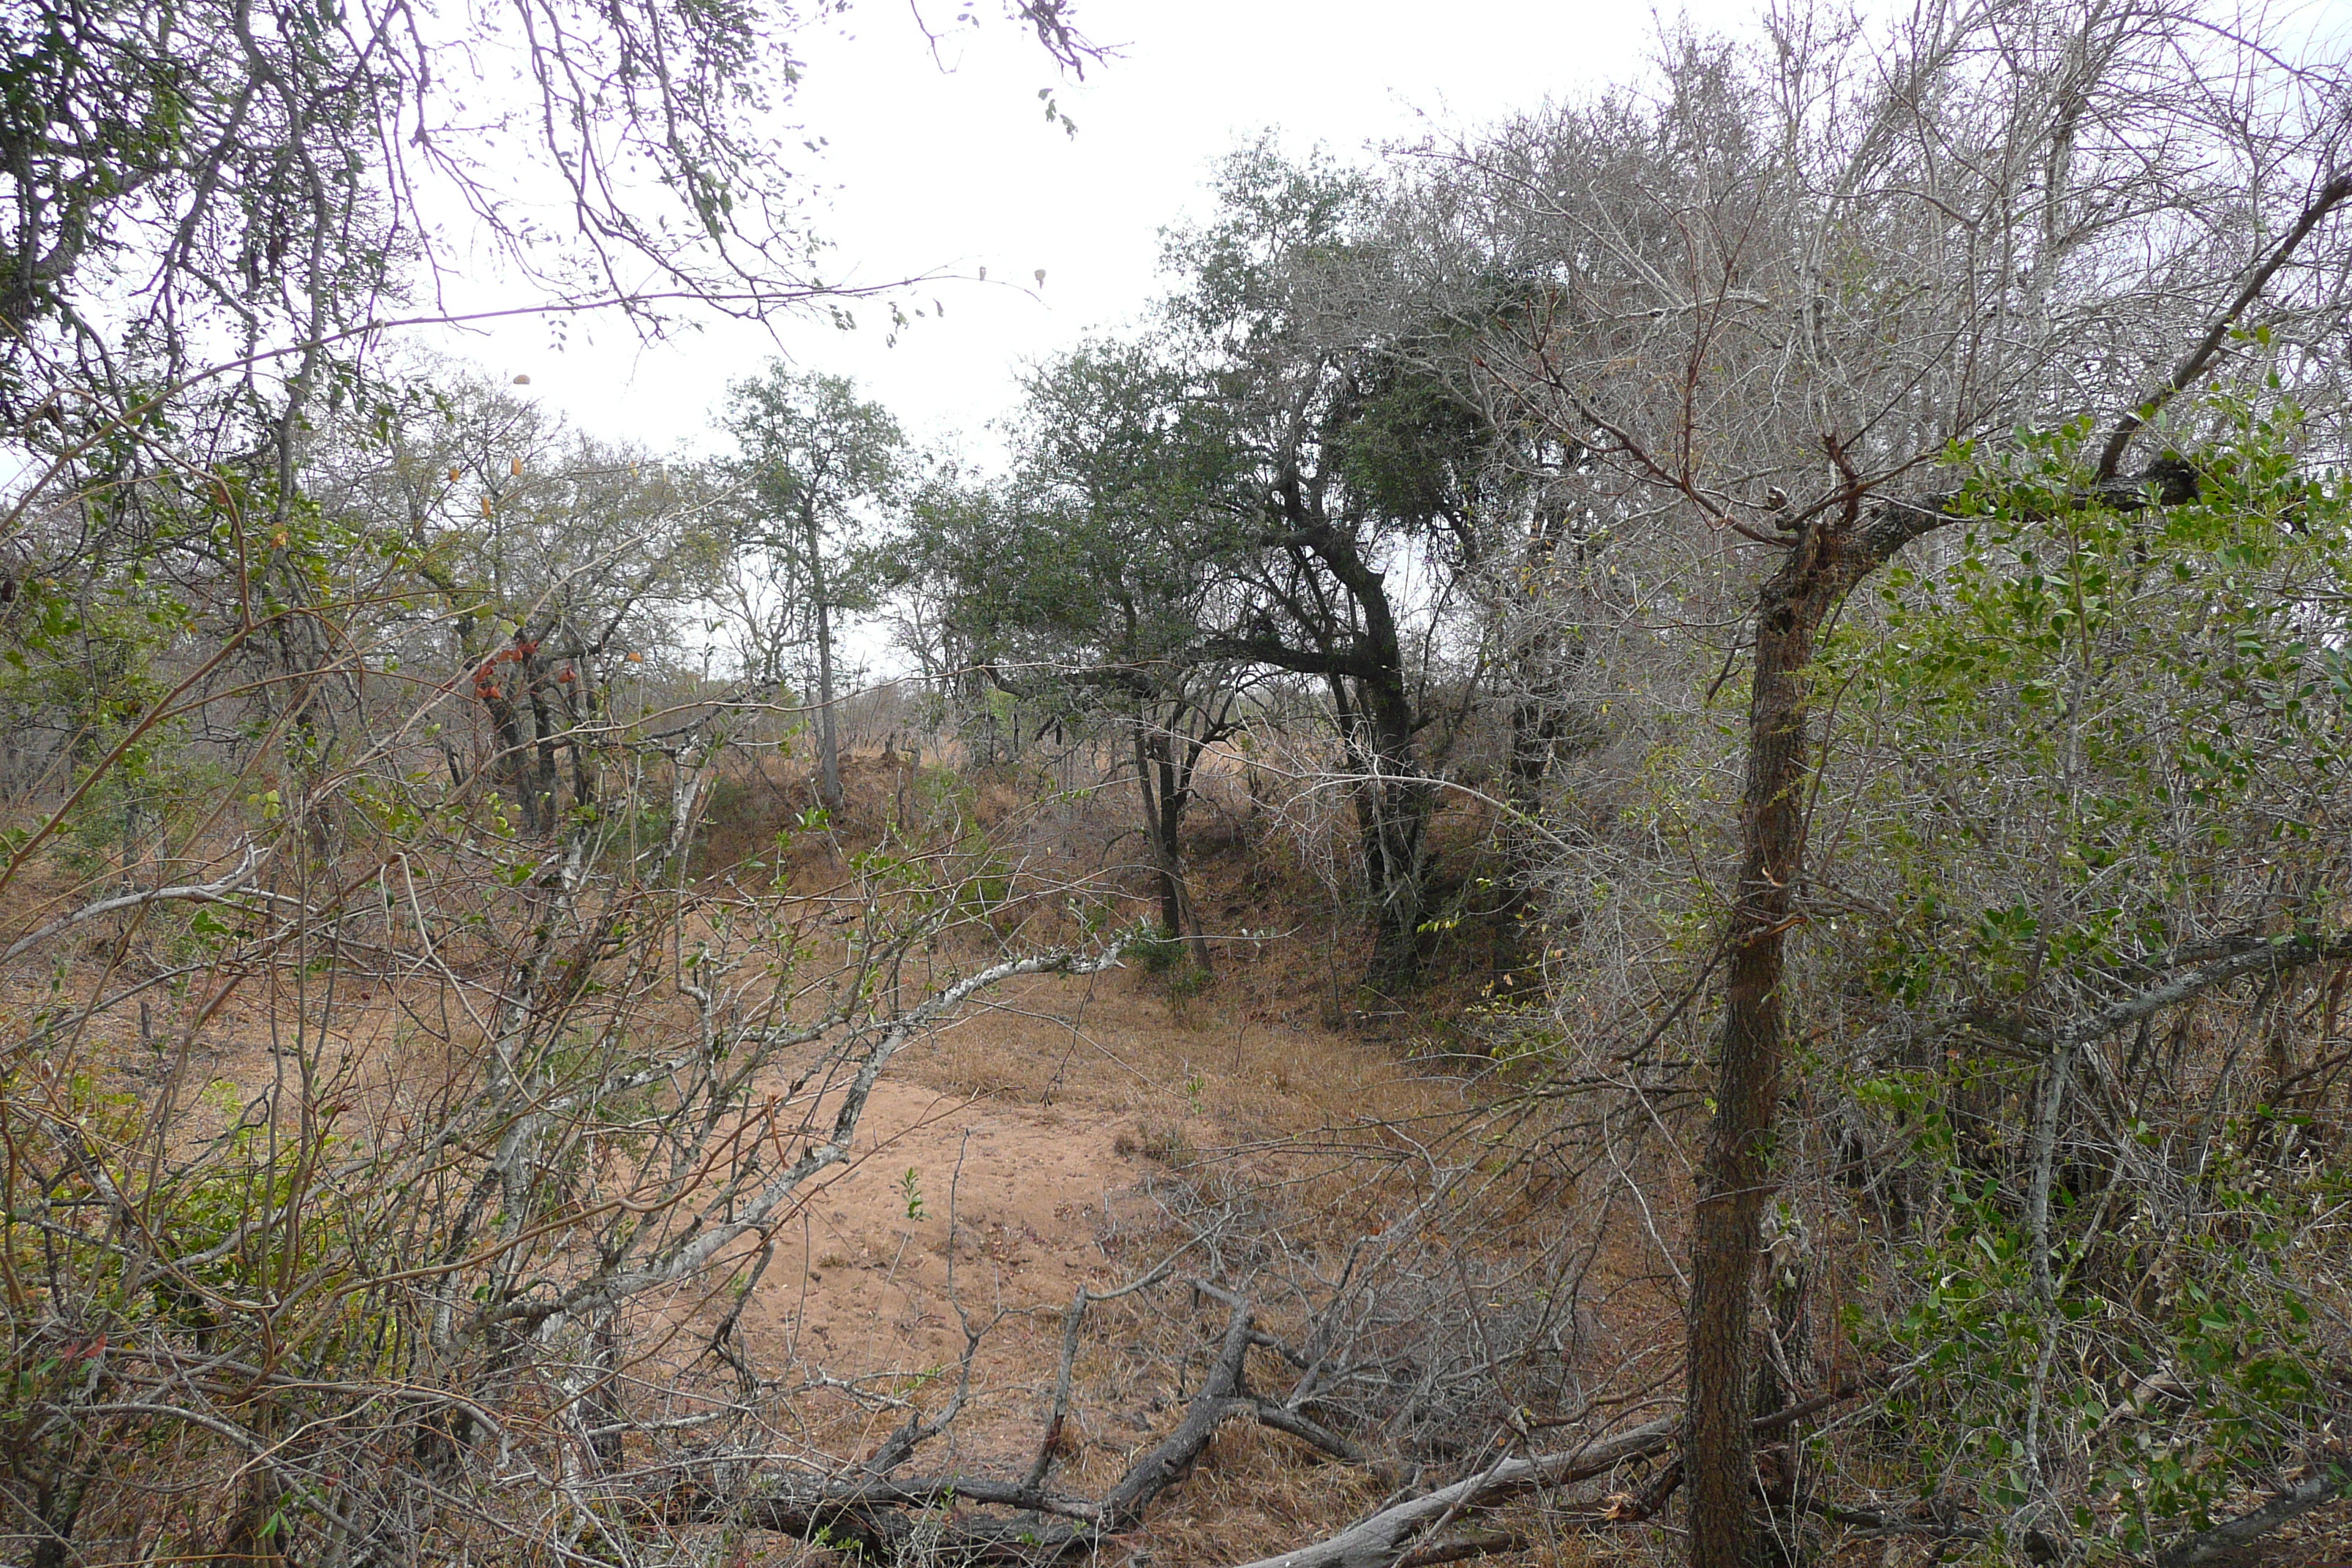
[(886, 1515), (1221, 1395)]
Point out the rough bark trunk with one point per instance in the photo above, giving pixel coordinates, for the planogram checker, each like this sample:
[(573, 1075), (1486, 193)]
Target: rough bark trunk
[(1736, 1176), (546, 780), (1535, 729), (55, 1510), (1396, 855), (512, 767), (1361, 654), (1394, 804), (1176, 784)]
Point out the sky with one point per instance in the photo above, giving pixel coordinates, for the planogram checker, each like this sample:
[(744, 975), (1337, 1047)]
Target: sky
[(951, 166)]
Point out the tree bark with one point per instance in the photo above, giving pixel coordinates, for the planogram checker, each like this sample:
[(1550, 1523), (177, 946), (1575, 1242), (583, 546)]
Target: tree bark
[(1737, 1175), (2320, 1486), (546, 780), (1159, 828), (1394, 804), (1165, 782), (1355, 646), (1536, 731)]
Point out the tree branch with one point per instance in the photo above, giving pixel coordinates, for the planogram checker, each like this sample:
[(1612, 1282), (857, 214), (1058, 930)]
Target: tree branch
[(2185, 373), (193, 893)]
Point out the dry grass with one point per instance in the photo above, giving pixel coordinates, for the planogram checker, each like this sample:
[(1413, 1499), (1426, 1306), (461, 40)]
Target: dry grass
[(1065, 1133)]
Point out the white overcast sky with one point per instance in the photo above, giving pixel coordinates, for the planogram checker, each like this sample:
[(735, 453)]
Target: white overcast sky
[(952, 170)]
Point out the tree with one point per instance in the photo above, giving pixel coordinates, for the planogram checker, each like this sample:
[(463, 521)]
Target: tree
[(249, 599), (1088, 580), (261, 178), (2080, 755), (1120, 462), (217, 216), (819, 463), (1792, 298), (1361, 468), (544, 561), (425, 1223)]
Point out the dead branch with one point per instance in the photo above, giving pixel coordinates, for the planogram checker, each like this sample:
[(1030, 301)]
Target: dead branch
[(872, 1509), (2324, 1483), (1374, 1542), (1460, 1549), (1283, 1418), (1081, 1298), (2192, 366), (191, 893), (1221, 1395)]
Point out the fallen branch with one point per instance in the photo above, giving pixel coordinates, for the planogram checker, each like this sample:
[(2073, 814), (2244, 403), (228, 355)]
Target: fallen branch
[(1460, 1548), (2325, 1482), (1880, 1522), (1375, 1541), (1379, 1541), (1283, 1418), (1221, 1395), (884, 1530), (882, 1515), (1050, 1443), (886, 1515)]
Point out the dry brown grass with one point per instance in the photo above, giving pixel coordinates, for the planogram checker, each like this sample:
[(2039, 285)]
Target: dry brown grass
[(1064, 1133)]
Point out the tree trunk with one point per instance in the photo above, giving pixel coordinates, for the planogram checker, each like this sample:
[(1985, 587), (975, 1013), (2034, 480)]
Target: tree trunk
[(1396, 856), (1395, 806), (1825, 562), (581, 706), (513, 747), (1536, 728), (54, 1511), (1362, 658), (1165, 796), (1542, 654), (1736, 1176), (1176, 775), (546, 780), (828, 753)]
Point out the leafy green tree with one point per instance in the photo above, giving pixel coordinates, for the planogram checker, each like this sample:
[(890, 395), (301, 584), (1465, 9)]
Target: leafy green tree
[(1366, 477), (822, 468), (2090, 757), (1093, 579), (1122, 464)]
